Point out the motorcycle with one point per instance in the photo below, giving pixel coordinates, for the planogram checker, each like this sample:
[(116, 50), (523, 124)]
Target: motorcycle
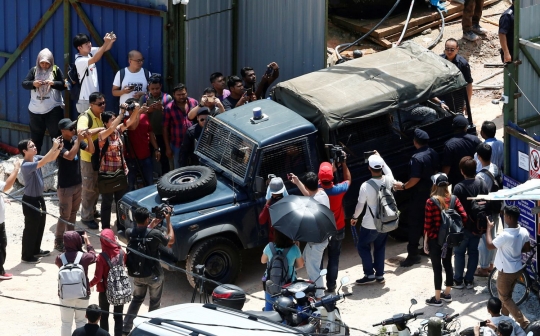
[(448, 324), (399, 322)]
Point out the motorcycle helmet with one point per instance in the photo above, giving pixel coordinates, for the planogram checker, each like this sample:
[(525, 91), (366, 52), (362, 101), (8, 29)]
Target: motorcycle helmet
[(534, 327), (283, 304)]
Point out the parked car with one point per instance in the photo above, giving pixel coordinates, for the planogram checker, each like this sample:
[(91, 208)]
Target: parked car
[(216, 205)]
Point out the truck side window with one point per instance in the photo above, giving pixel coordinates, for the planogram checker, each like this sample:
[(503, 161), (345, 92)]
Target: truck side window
[(280, 160)]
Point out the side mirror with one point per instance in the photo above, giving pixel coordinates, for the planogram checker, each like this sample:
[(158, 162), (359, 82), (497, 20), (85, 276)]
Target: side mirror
[(259, 185), (413, 302), (323, 272)]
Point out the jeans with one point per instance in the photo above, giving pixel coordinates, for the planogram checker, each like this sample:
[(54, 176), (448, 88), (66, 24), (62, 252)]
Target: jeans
[(469, 245), (487, 256), (34, 225), (106, 207), (90, 192), (82, 106), (40, 122), (174, 163), (313, 254), (366, 237), (3, 245), (505, 287), (155, 285), (472, 12), (69, 200), (146, 171), (104, 322), (334, 250), (437, 263), (67, 314)]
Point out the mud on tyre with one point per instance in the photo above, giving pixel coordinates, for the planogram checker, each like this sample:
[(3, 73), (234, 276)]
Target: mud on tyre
[(187, 184)]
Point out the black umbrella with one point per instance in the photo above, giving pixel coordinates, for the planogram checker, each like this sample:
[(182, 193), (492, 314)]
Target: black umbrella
[(302, 218)]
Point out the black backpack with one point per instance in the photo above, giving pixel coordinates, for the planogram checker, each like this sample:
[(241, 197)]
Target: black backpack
[(139, 266), (494, 206), (122, 75), (480, 209), (98, 154), (73, 77), (451, 229), (277, 270)]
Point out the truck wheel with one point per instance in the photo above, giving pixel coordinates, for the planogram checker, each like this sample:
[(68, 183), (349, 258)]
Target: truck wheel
[(187, 184), (221, 258)]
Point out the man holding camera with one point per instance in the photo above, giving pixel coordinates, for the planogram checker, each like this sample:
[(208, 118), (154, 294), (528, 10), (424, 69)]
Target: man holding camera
[(250, 79), (147, 234), (208, 101), (132, 81), (239, 96), (335, 193)]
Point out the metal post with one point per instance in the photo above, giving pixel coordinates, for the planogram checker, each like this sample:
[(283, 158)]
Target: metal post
[(67, 54), (234, 27)]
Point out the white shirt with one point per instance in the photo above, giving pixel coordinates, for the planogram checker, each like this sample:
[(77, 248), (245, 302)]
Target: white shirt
[(322, 198), (2, 204), (369, 195), (517, 331), (492, 168), (509, 244), (137, 79), (90, 83)]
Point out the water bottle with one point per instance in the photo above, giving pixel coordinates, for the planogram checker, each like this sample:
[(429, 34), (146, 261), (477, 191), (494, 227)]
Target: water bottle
[(67, 84)]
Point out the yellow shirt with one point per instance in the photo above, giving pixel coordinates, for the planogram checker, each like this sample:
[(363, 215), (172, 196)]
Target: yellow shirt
[(82, 123)]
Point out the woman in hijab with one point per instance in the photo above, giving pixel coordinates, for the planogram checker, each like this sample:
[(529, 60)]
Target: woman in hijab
[(46, 106), (115, 254)]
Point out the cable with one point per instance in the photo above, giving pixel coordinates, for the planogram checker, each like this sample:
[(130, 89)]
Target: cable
[(523, 93), (406, 23), (434, 43)]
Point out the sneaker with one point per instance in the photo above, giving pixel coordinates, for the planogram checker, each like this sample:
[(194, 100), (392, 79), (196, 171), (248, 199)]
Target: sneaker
[(380, 280), (409, 261), (469, 285), (91, 224), (478, 29), (471, 36), (6, 276), (434, 302), (446, 297), (42, 253), (365, 280), (33, 260), (458, 284), (59, 245)]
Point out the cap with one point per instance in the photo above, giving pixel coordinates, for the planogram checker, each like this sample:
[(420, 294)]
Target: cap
[(419, 134), (376, 162), (326, 172), (460, 121), (66, 124), (276, 186), (203, 110), (440, 179)]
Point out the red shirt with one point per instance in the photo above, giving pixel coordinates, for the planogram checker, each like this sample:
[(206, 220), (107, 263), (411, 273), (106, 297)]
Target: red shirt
[(335, 196), (433, 218), (139, 139)]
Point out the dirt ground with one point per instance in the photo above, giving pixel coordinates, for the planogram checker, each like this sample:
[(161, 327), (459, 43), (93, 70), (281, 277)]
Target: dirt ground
[(368, 305)]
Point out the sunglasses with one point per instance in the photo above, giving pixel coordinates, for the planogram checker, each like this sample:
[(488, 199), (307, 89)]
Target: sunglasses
[(450, 49), (100, 104), (203, 119)]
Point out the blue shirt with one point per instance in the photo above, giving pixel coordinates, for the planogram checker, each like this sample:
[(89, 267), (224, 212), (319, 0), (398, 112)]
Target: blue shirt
[(294, 253), (33, 178)]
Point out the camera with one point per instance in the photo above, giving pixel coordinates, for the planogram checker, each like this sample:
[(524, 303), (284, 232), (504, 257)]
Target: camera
[(337, 154), (131, 107), (160, 211)]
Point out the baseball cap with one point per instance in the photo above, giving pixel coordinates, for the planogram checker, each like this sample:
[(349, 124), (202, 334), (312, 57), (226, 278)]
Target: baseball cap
[(326, 172), (376, 162), (66, 124), (440, 179), (276, 186), (460, 121), (203, 110)]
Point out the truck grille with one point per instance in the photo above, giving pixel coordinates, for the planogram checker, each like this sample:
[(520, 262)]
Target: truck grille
[(226, 148)]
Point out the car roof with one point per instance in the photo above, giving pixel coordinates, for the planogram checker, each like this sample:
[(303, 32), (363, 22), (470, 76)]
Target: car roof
[(282, 124), (208, 318)]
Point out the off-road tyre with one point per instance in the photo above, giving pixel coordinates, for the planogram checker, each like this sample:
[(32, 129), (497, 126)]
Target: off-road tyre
[(187, 184), (221, 258)]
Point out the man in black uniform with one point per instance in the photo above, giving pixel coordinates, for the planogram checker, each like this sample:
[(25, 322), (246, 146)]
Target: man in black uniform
[(461, 145), (423, 164), (506, 34), (187, 150)]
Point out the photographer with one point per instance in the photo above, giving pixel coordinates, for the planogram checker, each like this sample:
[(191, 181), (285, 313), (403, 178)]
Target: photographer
[(276, 190), (209, 101), (152, 240), (335, 193)]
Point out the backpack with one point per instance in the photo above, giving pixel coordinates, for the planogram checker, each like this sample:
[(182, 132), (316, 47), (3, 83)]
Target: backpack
[(277, 270), (118, 285), (122, 75), (90, 119), (71, 279), (386, 216), (73, 77), (477, 216), (494, 206), (98, 154), (138, 266), (451, 229)]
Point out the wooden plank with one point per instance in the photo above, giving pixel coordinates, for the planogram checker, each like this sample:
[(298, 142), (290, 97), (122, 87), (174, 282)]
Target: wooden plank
[(416, 30), (382, 42)]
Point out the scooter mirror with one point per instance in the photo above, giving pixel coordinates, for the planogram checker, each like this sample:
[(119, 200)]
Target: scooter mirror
[(439, 315), (345, 280), (299, 295), (323, 272), (413, 302)]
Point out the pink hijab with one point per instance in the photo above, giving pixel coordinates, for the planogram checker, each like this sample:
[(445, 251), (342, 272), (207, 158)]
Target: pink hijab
[(108, 243)]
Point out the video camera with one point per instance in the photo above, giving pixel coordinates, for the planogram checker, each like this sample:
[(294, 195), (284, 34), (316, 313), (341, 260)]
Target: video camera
[(337, 154), (160, 211)]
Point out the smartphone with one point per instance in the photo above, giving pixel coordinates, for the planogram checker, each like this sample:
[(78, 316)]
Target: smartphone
[(249, 91), (289, 176), (269, 71), (131, 87), (483, 323), (80, 232)]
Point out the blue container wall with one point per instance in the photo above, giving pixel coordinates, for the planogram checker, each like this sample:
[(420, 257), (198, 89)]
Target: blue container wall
[(517, 145), (17, 18)]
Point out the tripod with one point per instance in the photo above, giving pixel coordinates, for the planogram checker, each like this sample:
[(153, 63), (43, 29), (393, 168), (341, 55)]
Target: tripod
[(199, 286)]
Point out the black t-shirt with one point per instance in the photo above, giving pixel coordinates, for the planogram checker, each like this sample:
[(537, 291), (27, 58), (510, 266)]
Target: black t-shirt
[(69, 171), (229, 103), (90, 330), (424, 163), (154, 239), (506, 27), (456, 100), (454, 150), (469, 188)]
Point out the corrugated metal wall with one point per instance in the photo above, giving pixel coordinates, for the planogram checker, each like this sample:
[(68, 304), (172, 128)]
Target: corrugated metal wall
[(291, 33), (209, 46)]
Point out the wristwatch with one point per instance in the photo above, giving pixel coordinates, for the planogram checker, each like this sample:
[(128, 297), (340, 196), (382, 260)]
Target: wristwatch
[(441, 103), (403, 186)]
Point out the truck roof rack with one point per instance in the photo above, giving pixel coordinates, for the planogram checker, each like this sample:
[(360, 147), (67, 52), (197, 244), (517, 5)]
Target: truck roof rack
[(194, 331)]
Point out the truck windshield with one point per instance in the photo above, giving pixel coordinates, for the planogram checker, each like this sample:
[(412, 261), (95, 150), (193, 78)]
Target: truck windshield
[(225, 149)]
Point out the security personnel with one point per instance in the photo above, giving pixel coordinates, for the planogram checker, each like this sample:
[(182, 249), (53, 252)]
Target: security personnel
[(423, 164)]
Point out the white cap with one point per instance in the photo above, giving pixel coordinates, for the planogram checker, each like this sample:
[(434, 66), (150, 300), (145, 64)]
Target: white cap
[(376, 162)]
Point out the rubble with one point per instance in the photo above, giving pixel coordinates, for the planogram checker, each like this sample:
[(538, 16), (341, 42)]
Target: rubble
[(49, 171)]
